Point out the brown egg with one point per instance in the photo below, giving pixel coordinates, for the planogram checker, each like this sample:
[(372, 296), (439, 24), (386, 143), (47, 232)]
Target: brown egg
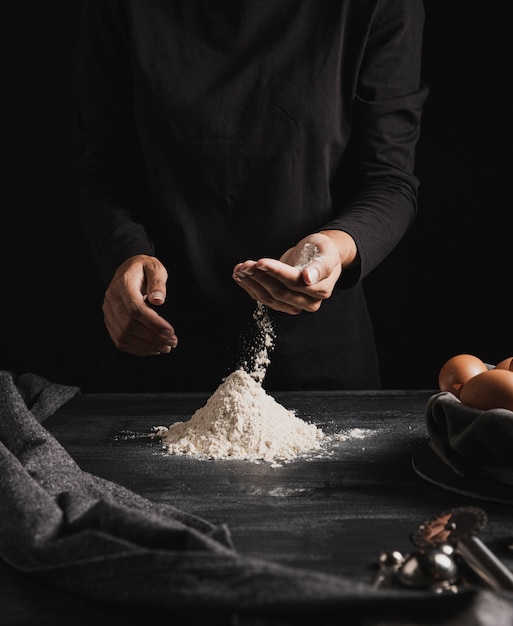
[(455, 372), (506, 364), (492, 389)]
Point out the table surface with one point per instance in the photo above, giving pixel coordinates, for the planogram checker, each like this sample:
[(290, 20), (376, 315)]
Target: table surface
[(332, 512)]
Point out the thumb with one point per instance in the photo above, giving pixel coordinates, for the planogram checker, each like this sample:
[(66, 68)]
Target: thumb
[(311, 274), (156, 278), (321, 268)]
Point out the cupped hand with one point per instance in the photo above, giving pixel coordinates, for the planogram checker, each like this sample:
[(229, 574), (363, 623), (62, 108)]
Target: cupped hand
[(133, 324), (299, 280)]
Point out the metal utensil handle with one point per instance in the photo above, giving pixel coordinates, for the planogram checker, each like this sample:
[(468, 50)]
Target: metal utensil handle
[(484, 563), (389, 562), (383, 579)]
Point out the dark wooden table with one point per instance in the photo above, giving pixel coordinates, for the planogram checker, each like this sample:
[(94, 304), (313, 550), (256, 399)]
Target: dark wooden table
[(333, 512)]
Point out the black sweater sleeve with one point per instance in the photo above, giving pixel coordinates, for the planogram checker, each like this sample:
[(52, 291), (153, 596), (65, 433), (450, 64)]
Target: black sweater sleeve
[(112, 174), (378, 190)]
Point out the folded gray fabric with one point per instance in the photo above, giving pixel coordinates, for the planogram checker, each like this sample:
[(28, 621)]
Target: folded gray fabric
[(470, 441), (97, 539)]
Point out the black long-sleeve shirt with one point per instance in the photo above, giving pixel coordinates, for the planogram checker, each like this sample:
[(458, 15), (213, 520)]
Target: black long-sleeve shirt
[(214, 132)]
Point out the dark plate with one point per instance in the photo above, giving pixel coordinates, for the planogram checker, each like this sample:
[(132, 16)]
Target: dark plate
[(430, 467)]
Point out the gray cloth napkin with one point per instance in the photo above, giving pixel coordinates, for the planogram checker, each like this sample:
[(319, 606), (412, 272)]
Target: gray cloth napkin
[(94, 538), (472, 442)]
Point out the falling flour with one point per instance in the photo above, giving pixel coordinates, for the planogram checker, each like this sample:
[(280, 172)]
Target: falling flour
[(258, 353), (240, 420)]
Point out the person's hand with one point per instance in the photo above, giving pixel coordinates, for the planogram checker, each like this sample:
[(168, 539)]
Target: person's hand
[(299, 280), (133, 325)]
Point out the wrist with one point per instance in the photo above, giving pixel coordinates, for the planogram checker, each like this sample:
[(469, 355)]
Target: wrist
[(346, 246)]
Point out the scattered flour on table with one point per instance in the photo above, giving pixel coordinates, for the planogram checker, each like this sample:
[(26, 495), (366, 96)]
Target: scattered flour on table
[(355, 433), (240, 420)]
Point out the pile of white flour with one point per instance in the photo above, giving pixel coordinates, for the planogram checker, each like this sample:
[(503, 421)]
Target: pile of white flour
[(240, 420)]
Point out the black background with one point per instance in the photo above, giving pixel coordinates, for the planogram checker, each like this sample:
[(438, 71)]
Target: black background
[(446, 289)]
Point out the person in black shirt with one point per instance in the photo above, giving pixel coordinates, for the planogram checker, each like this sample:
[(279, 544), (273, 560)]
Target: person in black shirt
[(218, 138)]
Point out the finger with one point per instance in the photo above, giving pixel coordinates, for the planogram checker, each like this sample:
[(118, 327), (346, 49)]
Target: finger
[(241, 270), (286, 284), (133, 333), (321, 269), (148, 320), (156, 279), (312, 274), (316, 281), (133, 344), (276, 296), (131, 341), (287, 274), (298, 277), (259, 293), (130, 335)]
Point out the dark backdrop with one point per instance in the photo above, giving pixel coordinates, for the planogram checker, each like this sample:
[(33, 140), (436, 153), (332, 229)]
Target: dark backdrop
[(446, 289)]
